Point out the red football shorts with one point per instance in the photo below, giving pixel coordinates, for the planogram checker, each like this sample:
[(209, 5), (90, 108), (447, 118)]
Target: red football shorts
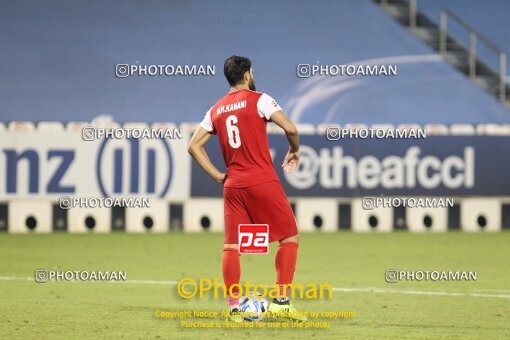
[(264, 203)]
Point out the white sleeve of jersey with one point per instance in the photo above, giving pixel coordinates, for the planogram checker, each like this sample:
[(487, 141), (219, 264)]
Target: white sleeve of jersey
[(266, 106), (207, 122)]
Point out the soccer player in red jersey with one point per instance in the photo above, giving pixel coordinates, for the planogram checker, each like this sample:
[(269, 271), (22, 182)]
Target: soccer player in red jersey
[(252, 191)]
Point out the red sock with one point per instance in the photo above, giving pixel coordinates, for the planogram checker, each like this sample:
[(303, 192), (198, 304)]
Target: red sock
[(285, 263), (231, 273)]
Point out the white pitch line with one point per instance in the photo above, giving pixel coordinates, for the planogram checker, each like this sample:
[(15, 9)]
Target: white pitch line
[(143, 282), (335, 289), (418, 292), (147, 282), (492, 290), (12, 278)]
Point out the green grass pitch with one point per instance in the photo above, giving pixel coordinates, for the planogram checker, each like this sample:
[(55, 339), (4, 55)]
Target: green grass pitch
[(480, 309)]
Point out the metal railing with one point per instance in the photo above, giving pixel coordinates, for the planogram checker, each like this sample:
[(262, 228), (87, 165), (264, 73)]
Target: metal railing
[(412, 13), (474, 39)]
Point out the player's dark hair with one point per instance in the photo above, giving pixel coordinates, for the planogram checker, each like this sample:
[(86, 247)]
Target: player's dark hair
[(235, 67)]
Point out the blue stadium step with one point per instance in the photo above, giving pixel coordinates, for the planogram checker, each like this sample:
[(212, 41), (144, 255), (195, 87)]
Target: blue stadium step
[(455, 53)]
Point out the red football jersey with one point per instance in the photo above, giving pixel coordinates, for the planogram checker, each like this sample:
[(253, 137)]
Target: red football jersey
[(239, 119)]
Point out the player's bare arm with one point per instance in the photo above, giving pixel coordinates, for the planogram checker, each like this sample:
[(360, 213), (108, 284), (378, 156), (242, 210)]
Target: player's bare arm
[(197, 151), (291, 161)]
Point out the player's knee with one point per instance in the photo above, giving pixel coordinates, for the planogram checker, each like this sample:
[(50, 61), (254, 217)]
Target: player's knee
[(230, 246), (294, 239)]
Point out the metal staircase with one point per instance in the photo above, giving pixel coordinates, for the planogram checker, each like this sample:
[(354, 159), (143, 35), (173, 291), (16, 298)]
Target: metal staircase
[(462, 57)]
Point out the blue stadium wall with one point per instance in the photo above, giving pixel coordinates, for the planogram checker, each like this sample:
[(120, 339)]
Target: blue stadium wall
[(37, 170), (58, 62)]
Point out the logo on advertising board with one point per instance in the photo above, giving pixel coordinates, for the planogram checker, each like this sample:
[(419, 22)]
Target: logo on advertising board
[(126, 167), (134, 166)]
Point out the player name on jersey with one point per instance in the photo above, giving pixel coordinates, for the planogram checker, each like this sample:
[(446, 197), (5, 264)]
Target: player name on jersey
[(231, 107)]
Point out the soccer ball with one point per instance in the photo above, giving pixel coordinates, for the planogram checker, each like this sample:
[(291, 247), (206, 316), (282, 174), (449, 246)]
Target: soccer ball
[(253, 307)]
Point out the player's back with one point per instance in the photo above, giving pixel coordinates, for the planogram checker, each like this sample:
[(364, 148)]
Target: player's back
[(239, 119)]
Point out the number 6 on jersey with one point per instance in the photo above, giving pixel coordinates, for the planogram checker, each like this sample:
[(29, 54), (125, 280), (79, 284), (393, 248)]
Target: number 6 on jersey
[(234, 139)]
